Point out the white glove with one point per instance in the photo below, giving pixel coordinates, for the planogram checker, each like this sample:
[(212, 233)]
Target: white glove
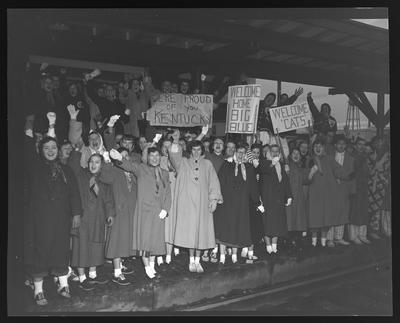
[(261, 209), (112, 121), (114, 154), (127, 112), (72, 111), (29, 132), (163, 214), (204, 130), (229, 159), (157, 137), (289, 201), (256, 162), (106, 156), (52, 118), (287, 169)]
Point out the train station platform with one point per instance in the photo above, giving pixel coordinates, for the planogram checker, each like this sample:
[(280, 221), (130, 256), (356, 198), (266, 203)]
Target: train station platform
[(176, 288)]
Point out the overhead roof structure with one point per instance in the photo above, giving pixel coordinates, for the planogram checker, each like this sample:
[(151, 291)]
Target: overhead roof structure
[(320, 46)]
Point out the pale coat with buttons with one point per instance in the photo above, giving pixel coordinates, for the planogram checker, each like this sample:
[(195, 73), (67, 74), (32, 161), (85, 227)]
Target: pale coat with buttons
[(196, 185)]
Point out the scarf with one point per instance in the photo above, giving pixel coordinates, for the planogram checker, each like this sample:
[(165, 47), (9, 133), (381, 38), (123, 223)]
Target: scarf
[(87, 151), (242, 167), (94, 188), (56, 170), (158, 177)]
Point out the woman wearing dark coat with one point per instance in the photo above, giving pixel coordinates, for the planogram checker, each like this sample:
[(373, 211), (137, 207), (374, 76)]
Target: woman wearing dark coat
[(296, 213), (359, 216), (232, 219), (54, 202), (98, 209), (275, 195), (154, 202)]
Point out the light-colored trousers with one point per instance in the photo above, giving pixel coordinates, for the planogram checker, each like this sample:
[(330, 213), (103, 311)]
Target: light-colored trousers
[(335, 233)]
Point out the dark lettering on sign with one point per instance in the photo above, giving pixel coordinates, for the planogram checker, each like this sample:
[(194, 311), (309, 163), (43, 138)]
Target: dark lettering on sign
[(245, 91)]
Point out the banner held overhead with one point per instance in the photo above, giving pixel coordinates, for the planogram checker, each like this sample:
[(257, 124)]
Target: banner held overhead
[(291, 117), (178, 110), (242, 108)]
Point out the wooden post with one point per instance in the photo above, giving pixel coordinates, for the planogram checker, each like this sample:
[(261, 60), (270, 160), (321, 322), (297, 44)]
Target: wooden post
[(380, 114)]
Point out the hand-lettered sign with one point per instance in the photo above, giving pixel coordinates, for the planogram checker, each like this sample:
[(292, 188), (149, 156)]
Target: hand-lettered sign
[(178, 110), (242, 109), (291, 117)]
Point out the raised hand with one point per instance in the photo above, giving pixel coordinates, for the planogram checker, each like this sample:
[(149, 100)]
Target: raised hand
[(127, 112), (261, 208), (204, 129), (112, 121), (298, 92), (157, 137), (51, 116), (72, 111), (114, 154)]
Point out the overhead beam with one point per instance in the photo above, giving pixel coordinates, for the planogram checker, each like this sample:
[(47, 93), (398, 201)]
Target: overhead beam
[(370, 114)]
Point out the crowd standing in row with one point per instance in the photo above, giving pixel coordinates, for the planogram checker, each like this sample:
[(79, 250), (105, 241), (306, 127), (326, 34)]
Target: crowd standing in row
[(96, 189)]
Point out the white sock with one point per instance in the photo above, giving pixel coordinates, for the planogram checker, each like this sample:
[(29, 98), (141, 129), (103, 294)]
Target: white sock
[(250, 254), (82, 278), (92, 274), (168, 259), (160, 260), (63, 281), (149, 272), (197, 260), (274, 247), (269, 248), (176, 251), (215, 250), (222, 258), (314, 241), (244, 252), (38, 287), (304, 234), (117, 272), (234, 258), (323, 241), (191, 259)]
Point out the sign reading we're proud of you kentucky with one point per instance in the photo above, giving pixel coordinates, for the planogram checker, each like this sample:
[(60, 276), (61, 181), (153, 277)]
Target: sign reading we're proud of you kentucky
[(180, 110), (242, 109), (291, 117)]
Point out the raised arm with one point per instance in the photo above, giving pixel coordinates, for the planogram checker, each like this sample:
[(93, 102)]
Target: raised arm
[(314, 111), (175, 151), (126, 165)]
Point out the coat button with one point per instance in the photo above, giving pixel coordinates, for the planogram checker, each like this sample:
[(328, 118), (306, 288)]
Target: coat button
[(196, 178), (196, 168), (195, 161)]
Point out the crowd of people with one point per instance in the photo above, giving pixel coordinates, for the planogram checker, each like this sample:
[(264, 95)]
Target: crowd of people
[(102, 185)]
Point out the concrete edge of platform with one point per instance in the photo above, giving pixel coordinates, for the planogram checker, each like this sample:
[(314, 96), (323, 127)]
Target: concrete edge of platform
[(263, 273)]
